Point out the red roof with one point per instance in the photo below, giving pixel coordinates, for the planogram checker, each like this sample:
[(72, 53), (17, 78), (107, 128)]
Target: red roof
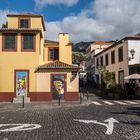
[(56, 65), (102, 43)]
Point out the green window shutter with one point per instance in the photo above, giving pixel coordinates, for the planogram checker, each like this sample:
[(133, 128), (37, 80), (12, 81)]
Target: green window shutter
[(28, 42), (9, 41)]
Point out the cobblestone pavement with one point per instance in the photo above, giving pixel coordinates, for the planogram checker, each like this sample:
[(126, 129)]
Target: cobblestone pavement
[(58, 121)]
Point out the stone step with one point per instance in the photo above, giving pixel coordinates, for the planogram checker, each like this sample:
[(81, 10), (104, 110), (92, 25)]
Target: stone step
[(19, 99)]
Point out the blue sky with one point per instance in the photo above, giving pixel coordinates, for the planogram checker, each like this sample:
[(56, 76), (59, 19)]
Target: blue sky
[(84, 20), (50, 12)]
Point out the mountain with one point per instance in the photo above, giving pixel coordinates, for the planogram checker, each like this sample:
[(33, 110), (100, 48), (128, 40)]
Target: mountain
[(81, 46)]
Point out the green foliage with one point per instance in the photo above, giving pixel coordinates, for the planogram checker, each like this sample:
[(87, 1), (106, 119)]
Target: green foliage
[(77, 57), (108, 77), (109, 80), (115, 88), (5, 25)]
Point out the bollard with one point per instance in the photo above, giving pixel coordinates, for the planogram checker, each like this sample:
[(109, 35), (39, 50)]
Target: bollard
[(80, 98), (59, 100), (87, 94), (22, 101)]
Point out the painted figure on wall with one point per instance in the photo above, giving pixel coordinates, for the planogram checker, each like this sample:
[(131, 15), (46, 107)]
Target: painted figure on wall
[(58, 87), (21, 83)]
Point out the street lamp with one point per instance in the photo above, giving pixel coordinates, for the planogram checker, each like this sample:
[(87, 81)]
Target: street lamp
[(132, 52)]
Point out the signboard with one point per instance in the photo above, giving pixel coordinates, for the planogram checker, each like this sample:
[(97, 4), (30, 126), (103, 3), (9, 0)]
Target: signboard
[(58, 86), (21, 83)]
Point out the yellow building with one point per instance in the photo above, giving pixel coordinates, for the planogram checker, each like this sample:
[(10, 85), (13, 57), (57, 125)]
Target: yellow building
[(40, 69)]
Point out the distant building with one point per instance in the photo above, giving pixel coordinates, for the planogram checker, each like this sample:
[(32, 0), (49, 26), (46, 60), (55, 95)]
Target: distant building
[(92, 50), (121, 58)]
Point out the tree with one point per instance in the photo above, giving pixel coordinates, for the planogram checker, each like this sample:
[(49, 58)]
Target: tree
[(108, 77), (77, 57), (5, 25)]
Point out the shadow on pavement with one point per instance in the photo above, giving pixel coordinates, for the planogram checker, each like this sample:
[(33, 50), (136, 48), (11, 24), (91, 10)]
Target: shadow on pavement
[(130, 111)]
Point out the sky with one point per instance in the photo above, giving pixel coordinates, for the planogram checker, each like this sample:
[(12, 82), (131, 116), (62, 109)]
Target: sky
[(84, 20)]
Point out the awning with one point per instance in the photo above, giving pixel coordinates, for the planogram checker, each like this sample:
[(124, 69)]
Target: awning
[(133, 76)]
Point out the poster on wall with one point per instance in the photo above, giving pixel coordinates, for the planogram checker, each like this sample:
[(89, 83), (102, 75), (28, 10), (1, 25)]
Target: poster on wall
[(58, 86), (21, 83)]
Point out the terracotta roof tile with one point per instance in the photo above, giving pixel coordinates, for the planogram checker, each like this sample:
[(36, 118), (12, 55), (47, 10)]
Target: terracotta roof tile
[(22, 30), (102, 43), (56, 65), (51, 41)]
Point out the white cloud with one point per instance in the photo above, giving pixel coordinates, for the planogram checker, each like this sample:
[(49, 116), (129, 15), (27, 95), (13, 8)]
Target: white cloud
[(42, 3), (104, 20), (3, 17)]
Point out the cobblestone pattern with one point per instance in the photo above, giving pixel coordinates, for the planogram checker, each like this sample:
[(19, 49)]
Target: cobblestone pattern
[(57, 122)]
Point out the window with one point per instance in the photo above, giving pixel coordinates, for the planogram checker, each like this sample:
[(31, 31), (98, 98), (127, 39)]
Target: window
[(28, 42), (121, 77), (120, 54), (9, 42), (53, 54), (97, 62), (106, 59), (101, 60), (24, 23), (113, 57)]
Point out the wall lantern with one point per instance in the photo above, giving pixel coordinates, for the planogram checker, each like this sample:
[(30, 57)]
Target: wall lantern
[(132, 52)]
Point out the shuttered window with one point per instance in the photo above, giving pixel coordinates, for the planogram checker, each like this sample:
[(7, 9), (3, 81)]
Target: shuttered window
[(24, 23), (28, 42), (53, 54), (9, 41)]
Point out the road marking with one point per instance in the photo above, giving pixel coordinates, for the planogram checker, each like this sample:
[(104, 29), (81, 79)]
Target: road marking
[(108, 103), (19, 127), (131, 102), (121, 103), (109, 124), (96, 103)]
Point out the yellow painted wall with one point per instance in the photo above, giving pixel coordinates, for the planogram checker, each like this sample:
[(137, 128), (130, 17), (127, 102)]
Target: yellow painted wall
[(12, 22), (118, 66), (9, 61), (44, 85), (65, 49)]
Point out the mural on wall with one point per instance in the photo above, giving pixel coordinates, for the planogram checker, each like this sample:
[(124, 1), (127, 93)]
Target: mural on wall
[(21, 83), (58, 86)]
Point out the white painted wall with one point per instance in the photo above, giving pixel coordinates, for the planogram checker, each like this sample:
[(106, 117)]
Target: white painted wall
[(134, 44)]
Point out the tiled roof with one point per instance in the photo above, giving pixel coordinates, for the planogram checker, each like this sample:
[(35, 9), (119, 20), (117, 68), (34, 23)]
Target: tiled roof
[(102, 43), (119, 42), (56, 65), (28, 15), (24, 14), (51, 41), (23, 30)]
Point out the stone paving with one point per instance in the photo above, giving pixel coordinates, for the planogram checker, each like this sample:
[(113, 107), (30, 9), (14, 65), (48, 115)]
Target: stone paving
[(58, 121)]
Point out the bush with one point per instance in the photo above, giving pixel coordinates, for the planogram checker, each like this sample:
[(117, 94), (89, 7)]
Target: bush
[(115, 88)]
